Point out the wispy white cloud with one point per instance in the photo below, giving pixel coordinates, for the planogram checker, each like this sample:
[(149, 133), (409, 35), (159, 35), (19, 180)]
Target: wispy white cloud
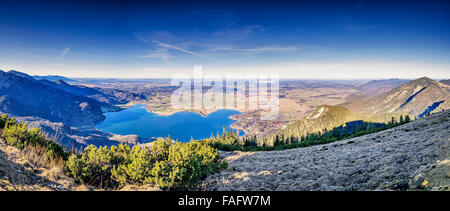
[(261, 49), (64, 52), (230, 42), (159, 54), (44, 53), (169, 46), (237, 33)]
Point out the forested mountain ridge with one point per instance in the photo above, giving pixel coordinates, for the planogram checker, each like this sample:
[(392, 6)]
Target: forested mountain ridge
[(325, 118)]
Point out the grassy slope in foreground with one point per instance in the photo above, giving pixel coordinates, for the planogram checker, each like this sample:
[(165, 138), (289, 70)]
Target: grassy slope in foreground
[(412, 156)]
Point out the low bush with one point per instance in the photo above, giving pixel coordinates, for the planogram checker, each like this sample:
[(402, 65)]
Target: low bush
[(18, 135), (94, 166), (39, 157), (170, 166)]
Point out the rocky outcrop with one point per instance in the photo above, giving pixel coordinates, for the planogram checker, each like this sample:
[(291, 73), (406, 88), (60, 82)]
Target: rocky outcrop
[(412, 156), (127, 139)]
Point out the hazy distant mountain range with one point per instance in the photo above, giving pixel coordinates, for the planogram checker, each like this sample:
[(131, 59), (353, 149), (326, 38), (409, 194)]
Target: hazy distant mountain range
[(377, 87), (53, 78), (84, 91), (447, 81)]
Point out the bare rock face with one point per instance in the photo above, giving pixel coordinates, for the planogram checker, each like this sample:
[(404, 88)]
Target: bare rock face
[(400, 158), (127, 139), (84, 106), (70, 137)]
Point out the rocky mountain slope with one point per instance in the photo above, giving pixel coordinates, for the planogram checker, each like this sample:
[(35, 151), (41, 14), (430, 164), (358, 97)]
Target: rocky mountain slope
[(75, 138), (66, 113), (412, 156), (413, 97), (22, 95)]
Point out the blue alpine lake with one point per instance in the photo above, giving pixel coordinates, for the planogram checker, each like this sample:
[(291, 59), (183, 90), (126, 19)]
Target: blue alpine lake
[(180, 126)]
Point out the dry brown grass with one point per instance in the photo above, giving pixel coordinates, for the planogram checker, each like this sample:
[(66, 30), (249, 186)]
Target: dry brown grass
[(32, 169), (37, 156)]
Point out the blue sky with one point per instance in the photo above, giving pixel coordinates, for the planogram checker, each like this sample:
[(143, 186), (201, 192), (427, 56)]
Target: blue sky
[(325, 39)]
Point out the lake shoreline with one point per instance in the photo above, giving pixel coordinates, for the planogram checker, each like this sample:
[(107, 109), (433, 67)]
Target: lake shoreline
[(181, 125)]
